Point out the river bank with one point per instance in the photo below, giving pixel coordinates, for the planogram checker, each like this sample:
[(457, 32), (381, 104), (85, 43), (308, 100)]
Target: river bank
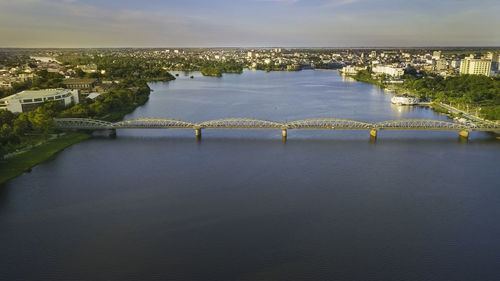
[(26, 160), (439, 107)]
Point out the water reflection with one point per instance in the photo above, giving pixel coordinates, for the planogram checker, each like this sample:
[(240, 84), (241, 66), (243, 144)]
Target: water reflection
[(403, 110), (347, 79)]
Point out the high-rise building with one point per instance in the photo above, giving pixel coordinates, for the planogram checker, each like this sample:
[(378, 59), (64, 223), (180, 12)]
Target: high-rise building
[(494, 60), (436, 55), (474, 66)]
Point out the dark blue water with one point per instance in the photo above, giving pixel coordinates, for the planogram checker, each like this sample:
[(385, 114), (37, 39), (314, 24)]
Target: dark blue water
[(243, 205)]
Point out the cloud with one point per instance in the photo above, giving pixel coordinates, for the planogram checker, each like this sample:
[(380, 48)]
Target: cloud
[(74, 23), (68, 23)]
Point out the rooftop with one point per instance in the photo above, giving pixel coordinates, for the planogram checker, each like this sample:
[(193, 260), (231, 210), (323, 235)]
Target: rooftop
[(79, 80), (37, 94)]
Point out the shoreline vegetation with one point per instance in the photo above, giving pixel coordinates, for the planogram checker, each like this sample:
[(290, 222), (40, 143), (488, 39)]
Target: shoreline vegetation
[(477, 95), (19, 131), (24, 161)]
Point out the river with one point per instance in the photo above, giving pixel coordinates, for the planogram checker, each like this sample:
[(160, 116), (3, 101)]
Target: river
[(243, 205)]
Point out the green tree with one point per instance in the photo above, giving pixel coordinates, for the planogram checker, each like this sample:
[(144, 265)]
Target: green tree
[(42, 122), (22, 125)]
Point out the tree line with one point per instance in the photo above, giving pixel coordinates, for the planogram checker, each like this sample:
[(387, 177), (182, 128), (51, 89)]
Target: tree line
[(478, 91), (19, 130), (474, 90)]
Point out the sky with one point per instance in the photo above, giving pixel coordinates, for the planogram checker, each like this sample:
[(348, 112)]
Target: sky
[(249, 23)]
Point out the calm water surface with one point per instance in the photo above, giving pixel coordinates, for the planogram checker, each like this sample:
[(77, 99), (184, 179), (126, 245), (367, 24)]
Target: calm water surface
[(242, 205)]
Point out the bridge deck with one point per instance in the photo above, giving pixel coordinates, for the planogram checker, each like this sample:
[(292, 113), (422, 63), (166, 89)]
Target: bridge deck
[(248, 123)]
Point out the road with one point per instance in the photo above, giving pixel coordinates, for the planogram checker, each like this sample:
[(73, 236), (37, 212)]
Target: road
[(467, 115)]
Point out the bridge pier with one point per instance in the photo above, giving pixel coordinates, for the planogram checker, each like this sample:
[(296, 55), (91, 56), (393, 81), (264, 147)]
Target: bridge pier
[(112, 132), (284, 134), (198, 133), (373, 134), (464, 134)]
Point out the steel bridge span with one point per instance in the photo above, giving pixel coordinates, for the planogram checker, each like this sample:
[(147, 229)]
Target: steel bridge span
[(248, 123)]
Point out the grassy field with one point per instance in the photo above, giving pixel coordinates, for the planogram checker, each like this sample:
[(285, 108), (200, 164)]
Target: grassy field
[(17, 165)]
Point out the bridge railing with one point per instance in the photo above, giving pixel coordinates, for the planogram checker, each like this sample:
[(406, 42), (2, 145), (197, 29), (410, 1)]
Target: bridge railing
[(419, 124), (240, 123), (249, 123), (82, 123)]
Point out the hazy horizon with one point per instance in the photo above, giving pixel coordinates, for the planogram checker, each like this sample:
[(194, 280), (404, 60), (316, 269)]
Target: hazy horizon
[(249, 23), (258, 47)]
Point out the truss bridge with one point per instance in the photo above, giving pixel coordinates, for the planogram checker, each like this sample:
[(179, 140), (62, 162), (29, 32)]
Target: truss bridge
[(249, 123)]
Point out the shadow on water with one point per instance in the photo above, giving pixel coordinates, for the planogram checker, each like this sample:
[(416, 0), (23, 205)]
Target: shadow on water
[(4, 193), (291, 140), (463, 140)]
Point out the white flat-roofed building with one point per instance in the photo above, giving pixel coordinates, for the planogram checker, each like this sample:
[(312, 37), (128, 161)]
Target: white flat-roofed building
[(475, 66), (388, 70), (29, 100), (351, 70)]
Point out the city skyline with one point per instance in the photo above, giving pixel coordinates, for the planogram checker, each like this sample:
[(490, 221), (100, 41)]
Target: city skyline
[(255, 23)]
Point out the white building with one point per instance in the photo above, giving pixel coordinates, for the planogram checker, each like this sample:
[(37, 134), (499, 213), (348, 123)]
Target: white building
[(395, 72), (441, 64), (29, 100), (351, 70), (44, 59), (455, 64), (474, 66), (436, 55)]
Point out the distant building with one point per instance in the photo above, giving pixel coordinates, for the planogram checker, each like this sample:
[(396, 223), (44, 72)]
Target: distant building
[(44, 59), (93, 95), (85, 85), (89, 68), (395, 72), (455, 64), (441, 64), (475, 66), (436, 55), (29, 100), (351, 70), (494, 60), (5, 83), (26, 77)]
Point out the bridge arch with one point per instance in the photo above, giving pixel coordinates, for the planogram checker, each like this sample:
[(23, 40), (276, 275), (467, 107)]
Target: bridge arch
[(82, 123), (154, 123), (241, 123), (329, 123), (420, 124)]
